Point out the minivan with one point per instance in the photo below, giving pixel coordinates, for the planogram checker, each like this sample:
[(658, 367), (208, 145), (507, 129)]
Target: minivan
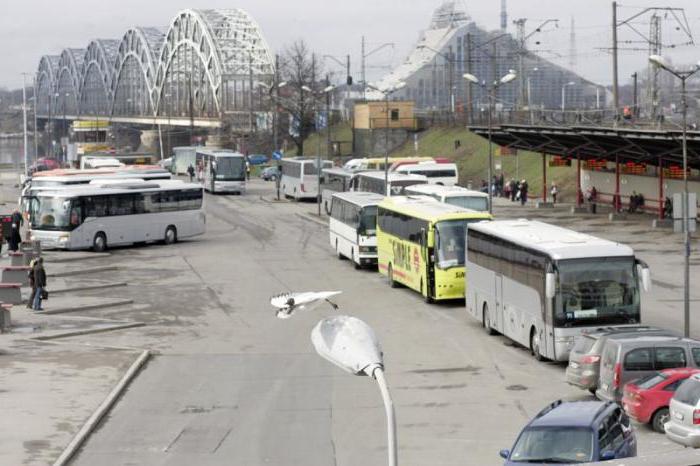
[(584, 359), (684, 416), (626, 359)]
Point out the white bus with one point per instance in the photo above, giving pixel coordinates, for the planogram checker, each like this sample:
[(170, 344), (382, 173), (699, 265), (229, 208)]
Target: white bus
[(333, 180), (224, 171), (104, 214), (300, 177), (438, 173), (542, 285), (455, 195), (353, 226), (374, 182)]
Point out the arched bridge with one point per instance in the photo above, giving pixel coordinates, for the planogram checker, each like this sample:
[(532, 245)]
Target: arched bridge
[(203, 71)]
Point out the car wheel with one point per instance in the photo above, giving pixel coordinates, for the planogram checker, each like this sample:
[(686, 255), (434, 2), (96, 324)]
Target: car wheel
[(170, 235), (99, 243), (390, 277), (486, 321), (535, 345), (660, 418)]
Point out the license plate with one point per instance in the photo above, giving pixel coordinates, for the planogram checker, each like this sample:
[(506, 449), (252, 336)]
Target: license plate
[(678, 416), (573, 365)]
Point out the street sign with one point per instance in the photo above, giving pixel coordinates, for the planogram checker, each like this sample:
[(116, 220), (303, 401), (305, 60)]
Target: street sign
[(277, 155), (678, 212)]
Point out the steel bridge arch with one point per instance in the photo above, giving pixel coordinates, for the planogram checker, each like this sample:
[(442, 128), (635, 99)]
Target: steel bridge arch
[(70, 67), (46, 78), (99, 58), (142, 44)]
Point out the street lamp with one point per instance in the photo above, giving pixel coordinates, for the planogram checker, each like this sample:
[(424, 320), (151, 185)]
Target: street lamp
[(683, 76), (275, 124), (563, 94), (316, 95), (387, 92), (351, 344), (491, 95)]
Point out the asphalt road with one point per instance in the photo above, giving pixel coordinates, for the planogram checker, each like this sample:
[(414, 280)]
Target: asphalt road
[(233, 385)]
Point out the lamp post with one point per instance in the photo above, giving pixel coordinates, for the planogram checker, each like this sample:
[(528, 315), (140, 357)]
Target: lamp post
[(683, 76), (351, 344), (275, 123), (529, 94), (491, 92), (387, 93), (316, 96), (563, 95)]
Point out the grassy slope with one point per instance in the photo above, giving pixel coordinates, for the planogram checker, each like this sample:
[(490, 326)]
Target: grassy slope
[(339, 132)]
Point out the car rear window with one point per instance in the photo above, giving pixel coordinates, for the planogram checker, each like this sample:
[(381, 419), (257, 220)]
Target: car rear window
[(688, 392), (650, 381), (584, 343)]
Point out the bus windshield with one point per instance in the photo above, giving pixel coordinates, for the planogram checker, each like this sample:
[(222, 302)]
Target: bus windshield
[(54, 213), (597, 291), (368, 221), (230, 169), (480, 204), (449, 243)]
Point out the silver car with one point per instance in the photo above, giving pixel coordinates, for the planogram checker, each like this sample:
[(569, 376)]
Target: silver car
[(684, 417), (584, 359)]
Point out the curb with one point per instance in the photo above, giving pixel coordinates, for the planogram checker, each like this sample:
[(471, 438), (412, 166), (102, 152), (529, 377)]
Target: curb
[(312, 219), (94, 255), (84, 271), (102, 410), (89, 307), (78, 333), (88, 287)]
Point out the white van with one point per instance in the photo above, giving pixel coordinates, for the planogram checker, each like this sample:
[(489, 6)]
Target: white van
[(455, 195), (437, 173)]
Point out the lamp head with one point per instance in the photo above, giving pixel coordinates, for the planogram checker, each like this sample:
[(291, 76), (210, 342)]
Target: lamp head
[(328, 89), (306, 88), (349, 343), (659, 61), (471, 78), (282, 84), (509, 77)]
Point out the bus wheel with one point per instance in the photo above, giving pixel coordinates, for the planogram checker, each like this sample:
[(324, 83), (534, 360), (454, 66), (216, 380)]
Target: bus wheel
[(390, 277), (487, 321), (99, 243), (535, 345), (170, 235)]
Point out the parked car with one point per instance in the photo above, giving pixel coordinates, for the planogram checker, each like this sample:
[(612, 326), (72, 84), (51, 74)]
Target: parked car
[(584, 359), (257, 159), (646, 400), (684, 414), (270, 173), (574, 432), (626, 359)]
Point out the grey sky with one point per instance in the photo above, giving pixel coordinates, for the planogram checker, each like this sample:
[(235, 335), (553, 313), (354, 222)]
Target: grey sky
[(32, 28)]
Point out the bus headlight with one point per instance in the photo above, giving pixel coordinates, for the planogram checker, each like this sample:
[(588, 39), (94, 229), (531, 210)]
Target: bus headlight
[(63, 238)]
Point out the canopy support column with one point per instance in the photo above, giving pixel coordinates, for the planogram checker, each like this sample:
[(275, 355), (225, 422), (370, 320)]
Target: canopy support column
[(544, 177), (616, 201), (661, 188), (579, 194)]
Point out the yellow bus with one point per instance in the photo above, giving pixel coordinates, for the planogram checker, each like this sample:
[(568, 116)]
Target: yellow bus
[(420, 244)]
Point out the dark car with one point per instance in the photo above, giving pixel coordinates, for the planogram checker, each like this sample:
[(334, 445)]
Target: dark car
[(574, 432), (257, 159), (584, 359), (270, 174)]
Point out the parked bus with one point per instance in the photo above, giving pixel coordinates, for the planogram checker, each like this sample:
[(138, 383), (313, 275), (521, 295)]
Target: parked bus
[(117, 213), (438, 173), (542, 285), (224, 171), (377, 163), (420, 244), (454, 195), (375, 182), (300, 177), (353, 226), (183, 157), (333, 180)]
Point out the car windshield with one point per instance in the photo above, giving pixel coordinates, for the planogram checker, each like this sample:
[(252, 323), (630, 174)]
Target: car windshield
[(480, 204), (553, 445), (450, 236), (688, 392), (368, 221), (54, 213), (230, 169), (650, 381), (597, 292)]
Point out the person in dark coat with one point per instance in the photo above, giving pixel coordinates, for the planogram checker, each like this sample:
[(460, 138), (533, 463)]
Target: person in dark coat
[(190, 171), (32, 284), (15, 236), (523, 192), (39, 283)]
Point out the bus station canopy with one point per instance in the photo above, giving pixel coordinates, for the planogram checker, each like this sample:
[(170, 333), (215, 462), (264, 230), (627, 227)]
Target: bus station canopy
[(591, 143)]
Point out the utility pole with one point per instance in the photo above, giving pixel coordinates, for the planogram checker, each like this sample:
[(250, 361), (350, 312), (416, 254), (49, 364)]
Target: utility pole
[(36, 125), (468, 89), (251, 115), (654, 49), (191, 109), (328, 121), (520, 27), (362, 69), (635, 111), (616, 95), (24, 117)]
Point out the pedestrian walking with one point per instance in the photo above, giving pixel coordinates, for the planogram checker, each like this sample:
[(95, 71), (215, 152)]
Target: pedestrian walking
[(513, 189), (190, 172), (39, 283), (247, 169), (523, 192), (32, 284), (15, 236), (554, 192)]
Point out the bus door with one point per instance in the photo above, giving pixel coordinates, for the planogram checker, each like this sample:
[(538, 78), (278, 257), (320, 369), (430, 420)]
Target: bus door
[(499, 318), (429, 279)]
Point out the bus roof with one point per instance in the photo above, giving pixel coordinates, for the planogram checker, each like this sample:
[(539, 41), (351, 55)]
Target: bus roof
[(552, 240), (119, 188), (99, 171), (87, 178), (427, 208), (220, 153), (338, 171), (447, 191), (379, 175), (360, 198)]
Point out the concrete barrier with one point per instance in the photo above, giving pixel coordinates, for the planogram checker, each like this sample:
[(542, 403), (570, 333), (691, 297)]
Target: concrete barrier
[(15, 274), (11, 293), (16, 258), (5, 317), (28, 257)]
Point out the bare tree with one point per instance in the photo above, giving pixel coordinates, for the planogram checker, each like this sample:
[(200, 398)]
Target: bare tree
[(299, 70)]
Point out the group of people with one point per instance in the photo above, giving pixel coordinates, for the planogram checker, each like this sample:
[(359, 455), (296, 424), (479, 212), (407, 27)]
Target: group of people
[(636, 202), (513, 190), (199, 172)]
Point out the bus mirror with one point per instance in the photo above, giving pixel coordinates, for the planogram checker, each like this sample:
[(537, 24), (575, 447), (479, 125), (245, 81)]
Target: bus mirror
[(549, 285), (645, 273)]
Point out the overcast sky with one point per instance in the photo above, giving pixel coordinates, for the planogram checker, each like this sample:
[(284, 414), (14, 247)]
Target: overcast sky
[(32, 28)]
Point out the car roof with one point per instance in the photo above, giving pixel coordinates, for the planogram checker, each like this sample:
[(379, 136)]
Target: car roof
[(639, 340), (570, 414), (630, 332)]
